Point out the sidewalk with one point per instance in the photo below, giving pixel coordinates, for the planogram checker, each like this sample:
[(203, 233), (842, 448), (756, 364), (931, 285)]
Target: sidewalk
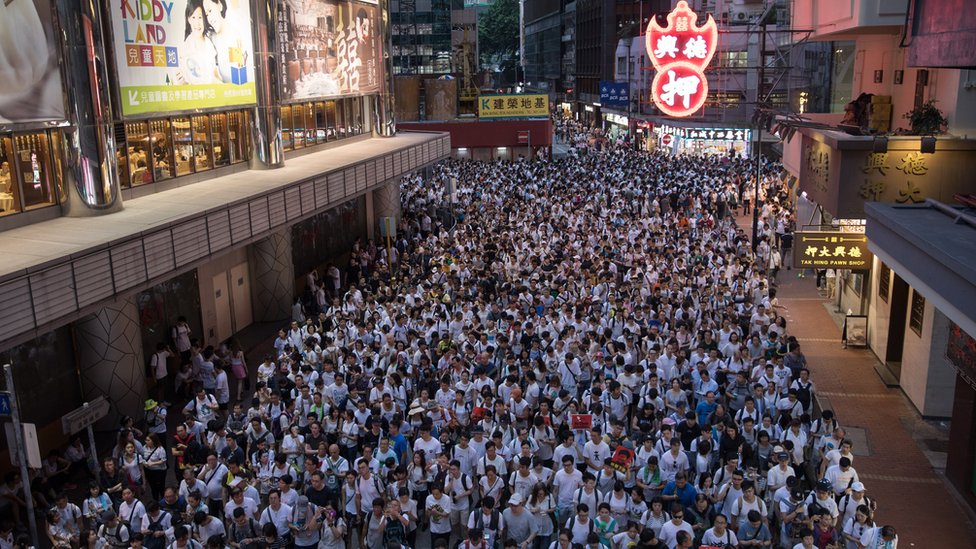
[(886, 429)]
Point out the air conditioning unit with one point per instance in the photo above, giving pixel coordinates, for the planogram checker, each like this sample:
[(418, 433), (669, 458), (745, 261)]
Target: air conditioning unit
[(741, 15)]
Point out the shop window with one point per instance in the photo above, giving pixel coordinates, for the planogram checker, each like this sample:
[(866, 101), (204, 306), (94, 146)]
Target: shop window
[(341, 119), (202, 159), (183, 146), (137, 148), (309, 124), (884, 282), (320, 123), (162, 149), (33, 163), (237, 137), (218, 137), (286, 129), (9, 190), (330, 127), (917, 313), (298, 126)]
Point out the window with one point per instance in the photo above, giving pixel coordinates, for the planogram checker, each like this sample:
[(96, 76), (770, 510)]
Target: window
[(9, 190), (298, 126), (309, 124), (218, 137), (33, 163), (238, 138), (139, 157), (917, 313), (884, 282), (183, 146), (162, 149), (286, 129), (341, 118), (202, 159), (330, 114)]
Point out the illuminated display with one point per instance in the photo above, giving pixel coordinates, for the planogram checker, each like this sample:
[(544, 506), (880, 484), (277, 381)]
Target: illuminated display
[(680, 52), (831, 250)]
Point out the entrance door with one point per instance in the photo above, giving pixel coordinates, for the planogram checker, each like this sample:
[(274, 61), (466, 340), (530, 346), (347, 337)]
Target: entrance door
[(240, 286), (896, 325), (222, 307)]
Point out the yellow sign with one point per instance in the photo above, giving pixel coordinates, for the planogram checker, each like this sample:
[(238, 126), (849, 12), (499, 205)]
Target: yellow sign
[(831, 250), (513, 106)]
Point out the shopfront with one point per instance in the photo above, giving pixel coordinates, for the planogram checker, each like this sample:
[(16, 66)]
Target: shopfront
[(721, 141), (616, 125)]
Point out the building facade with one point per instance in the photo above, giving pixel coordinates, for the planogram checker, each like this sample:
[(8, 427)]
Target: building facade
[(178, 181)]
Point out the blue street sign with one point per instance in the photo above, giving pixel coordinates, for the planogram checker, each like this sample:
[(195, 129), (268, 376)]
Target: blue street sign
[(616, 94), (4, 404)]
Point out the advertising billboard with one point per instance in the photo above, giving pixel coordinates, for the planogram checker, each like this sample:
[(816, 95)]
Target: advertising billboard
[(329, 48), (831, 250), (513, 106), (177, 55), (30, 80), (614, 94)]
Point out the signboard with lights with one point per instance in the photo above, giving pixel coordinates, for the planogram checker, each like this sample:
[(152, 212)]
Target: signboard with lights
[(831, 250), (680, 52)]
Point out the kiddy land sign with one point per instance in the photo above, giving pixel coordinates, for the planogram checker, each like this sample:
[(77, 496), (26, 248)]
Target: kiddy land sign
[(680, 52)]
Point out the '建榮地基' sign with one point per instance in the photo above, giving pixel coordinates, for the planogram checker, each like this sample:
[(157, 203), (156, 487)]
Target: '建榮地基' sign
[(680, 52), (831, 250), (513, 106)]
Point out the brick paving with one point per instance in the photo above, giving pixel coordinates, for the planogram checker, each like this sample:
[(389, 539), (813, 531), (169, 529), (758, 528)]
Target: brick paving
[(911, 494)]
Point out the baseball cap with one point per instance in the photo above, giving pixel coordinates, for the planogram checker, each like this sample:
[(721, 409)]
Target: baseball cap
[(857, 487)]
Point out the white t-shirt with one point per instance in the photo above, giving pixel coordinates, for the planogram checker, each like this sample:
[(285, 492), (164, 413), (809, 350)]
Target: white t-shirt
[(566, 485), (669, 532), (728, 538), (439, 525)]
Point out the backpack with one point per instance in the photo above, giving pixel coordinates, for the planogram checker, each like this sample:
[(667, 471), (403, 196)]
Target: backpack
[(572, 524), (152, 542), (492, 522), (803, 394), (117, 536)]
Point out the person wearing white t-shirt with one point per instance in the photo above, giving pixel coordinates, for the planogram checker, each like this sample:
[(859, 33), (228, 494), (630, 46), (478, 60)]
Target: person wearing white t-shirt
[(720, 535), (595, 451), (438, 506), (580, 524), (430, 445), (880, 537), (670, 529), (565, 482)]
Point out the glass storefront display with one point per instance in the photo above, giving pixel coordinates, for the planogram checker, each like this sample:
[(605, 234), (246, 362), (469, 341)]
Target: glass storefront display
[(162, 149), (237, 136), (218, 139), (9, 190), (183, 146), (330, 114), (34, 161), (298, 126), (138, 155), (202, 160), (307, 124)]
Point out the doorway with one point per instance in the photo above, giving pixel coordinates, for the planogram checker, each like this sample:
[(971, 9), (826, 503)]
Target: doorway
[(241, 296), (222, 310), (896, 325)]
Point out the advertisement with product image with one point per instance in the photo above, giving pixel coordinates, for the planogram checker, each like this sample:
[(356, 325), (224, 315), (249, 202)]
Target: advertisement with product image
[(329, 48), (30, 80), (177, 55)]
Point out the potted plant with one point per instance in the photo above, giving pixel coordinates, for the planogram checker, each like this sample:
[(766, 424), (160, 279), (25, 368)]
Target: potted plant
[(927, 119)]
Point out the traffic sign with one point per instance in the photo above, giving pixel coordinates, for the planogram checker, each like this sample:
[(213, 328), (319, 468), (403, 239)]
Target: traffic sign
[(4, 403), (79, 418), (666, 139)]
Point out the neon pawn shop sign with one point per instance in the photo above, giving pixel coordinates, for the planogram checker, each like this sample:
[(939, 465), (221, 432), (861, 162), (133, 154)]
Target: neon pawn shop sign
[(680, 52)]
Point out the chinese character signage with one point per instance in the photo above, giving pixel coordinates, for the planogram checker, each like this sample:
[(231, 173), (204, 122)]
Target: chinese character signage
[(961, 352), (680, 52), (30, 80), (614, 94), (513, 106), (175, 55), (710, 134), (329, 48), (831, 250)]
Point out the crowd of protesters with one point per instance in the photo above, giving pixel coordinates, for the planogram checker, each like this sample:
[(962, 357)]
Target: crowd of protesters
[(593, 357)]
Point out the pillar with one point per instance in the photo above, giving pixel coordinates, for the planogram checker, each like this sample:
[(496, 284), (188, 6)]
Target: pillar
[(267, 150), (384, 105), (273, 276), (108, 347), (91, 179), (386, 203)]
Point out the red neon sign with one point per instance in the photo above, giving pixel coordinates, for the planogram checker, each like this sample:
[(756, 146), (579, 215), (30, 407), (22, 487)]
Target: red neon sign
[(680, 52)]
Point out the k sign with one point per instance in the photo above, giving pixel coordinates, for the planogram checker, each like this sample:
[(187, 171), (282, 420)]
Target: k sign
[(680, 52)]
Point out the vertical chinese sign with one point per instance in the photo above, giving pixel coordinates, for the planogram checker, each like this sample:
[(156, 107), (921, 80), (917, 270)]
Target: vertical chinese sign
[(680, 52)]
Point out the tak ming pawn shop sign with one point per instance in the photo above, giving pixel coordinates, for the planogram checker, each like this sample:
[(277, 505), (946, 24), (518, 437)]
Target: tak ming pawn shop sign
[(680, 52), (831, 250)]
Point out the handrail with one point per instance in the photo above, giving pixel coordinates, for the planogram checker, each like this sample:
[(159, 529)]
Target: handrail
[(952, 212)]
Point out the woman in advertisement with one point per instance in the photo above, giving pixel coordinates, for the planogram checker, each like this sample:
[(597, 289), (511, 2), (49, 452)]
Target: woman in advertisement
[(224, 19), (198, 56)]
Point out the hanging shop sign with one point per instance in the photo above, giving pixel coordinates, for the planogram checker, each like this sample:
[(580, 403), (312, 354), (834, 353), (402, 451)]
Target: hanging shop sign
[(711, 134), (513, 106), (329, 48), (680, 52), (831, 250), (177, 56), (614, 94), (30, 78)]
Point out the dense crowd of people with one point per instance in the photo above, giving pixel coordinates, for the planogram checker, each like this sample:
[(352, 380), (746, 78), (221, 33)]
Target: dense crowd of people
[(593, 357)]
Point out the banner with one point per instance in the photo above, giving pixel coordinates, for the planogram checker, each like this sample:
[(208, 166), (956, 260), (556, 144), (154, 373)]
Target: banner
[(622, 459), (176, 55), (329, 48), (581, 422), (614, 94), (513, 106), (831, 250), (30, 79)]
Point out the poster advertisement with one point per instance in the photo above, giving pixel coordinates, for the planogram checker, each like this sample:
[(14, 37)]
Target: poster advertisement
[(329, 48), (30, 80), (441, 99), (177, 55)]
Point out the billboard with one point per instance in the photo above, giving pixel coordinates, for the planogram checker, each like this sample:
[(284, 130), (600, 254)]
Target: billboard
[(176, 55), (441, 99), (513, 106), (329, 48), (680, 53), (614, 94), (30, 80)]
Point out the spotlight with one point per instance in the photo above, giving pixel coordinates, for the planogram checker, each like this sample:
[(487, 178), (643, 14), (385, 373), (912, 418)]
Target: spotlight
[(928, 144), (880, 144)]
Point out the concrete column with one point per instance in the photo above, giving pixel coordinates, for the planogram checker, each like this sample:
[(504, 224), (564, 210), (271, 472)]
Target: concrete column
[(108, 345), (267, 150), (272, 276), (386, 203), (384, 104), (91, 178)]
